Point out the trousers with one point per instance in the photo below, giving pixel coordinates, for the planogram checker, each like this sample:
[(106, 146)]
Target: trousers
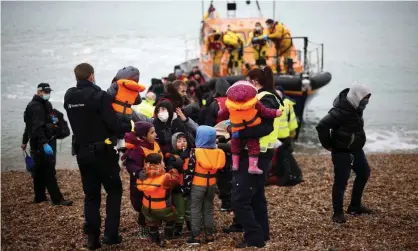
[(343, 164), (249, 201), (100, 168)]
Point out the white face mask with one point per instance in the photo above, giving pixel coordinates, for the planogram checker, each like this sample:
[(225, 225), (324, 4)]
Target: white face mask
[(269, 26), (163, 116), (258, 28)]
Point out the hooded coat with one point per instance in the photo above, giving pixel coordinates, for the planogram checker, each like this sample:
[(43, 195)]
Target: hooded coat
[(165, 130), (221, 87), (128, 73), (345, 121)]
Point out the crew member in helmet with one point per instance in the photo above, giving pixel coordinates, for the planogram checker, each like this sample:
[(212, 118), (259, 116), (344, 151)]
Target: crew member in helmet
[(281, 38), (215, 47), (235, 47), (259, 45)]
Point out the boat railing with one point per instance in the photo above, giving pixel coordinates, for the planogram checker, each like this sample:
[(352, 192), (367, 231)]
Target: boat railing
[(192, 49)]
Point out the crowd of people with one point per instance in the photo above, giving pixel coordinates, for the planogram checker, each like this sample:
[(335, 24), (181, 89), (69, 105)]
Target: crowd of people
[(180, 144)]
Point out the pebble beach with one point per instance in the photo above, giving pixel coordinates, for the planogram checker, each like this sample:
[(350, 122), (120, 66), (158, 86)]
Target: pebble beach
[(300, 216)]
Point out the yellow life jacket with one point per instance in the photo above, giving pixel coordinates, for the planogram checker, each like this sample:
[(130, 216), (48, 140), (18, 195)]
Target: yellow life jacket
[(146, 108), (288, 121), (268, 142)]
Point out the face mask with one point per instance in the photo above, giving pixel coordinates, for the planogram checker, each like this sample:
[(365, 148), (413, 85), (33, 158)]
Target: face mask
[(46, 96), (269, 26), (257, 28), (177, 73), (163, 116), (362, 105)]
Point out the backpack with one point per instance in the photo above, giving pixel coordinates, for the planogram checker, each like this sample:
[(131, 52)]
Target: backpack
[(63, 130)]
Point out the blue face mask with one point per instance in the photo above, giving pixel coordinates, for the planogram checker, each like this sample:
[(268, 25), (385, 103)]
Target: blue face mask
[(46, 96), (362, 105)]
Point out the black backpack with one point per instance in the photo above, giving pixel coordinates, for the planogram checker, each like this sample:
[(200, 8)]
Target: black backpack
[(63, 130)]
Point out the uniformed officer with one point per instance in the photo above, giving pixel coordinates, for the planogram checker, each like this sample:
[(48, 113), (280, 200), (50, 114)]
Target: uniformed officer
[(40, 130), (94, 125), (287, 169)]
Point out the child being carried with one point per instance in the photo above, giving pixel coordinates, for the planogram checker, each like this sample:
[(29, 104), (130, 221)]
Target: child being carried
[(244, 110)]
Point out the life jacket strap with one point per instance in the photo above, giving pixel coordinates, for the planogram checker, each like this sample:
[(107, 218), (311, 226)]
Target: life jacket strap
[(245, 123), (124, 104), (205, 175), (149, 198)]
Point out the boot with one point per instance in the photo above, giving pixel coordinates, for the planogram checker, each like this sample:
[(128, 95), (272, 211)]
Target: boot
[(114, 240), (358, 210), (178, 230), (169, 230), (253, 166), (154, 234), (93, 242), (339, 218), (235, 162), (144, 232)]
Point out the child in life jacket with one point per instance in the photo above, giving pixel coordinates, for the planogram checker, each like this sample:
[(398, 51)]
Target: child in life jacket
[(244, 110), (156, 184), (178, 158), (124, 91), (199, 182), (139, 144)]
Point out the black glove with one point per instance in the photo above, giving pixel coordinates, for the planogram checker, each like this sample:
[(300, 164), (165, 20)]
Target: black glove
[(142, 175), (178, 164)]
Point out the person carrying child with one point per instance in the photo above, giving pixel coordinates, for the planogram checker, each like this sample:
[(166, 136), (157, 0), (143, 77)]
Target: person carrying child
[(178, 158), (245, 111), (124, 91), (156, 184), (199, 182), (140, 143)]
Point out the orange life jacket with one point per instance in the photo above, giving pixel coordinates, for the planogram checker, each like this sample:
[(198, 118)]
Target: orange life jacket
[(208, 161), (156, 150), (128, 91), (243, 114), (155, 195), (221, 103)]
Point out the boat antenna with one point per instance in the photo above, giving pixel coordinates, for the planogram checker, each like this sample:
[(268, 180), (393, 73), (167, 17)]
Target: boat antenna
[(259, 9), (274, 10)]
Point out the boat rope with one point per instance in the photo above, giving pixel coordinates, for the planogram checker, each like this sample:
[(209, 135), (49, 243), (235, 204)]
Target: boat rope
[(259, 9)]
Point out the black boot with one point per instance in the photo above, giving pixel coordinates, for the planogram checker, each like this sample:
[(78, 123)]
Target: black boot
[(93, 242), (169, 230), (178, 230), (189, 226), (143, 233), (154, 234), (339, 218), (234, 228), (358, 210), (114, 240)]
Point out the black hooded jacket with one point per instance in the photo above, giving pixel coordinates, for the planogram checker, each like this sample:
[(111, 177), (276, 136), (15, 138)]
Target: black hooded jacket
[(211, 113), (342, 129), (165, 130)]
